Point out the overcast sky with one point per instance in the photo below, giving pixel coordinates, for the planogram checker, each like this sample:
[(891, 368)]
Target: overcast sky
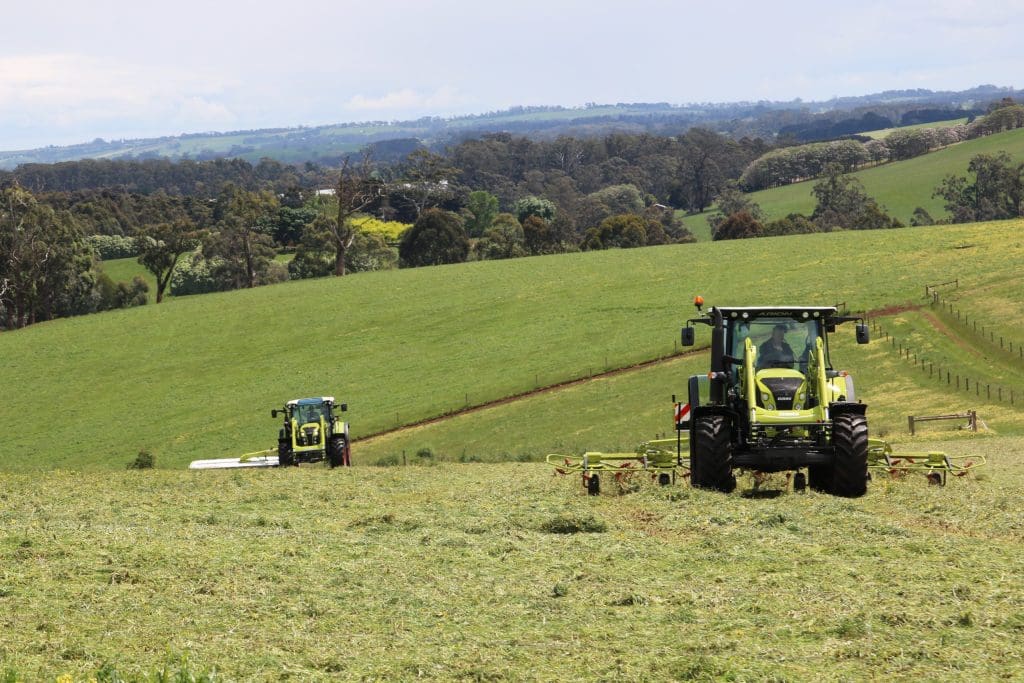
[(74, 71)]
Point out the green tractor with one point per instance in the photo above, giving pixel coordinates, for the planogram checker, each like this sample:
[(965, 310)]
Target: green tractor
[(766, 407), (313, 432)]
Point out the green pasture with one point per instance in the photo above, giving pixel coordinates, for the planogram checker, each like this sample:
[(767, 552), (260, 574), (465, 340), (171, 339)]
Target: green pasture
[(617, 413), (457, 572), (879, 134), (124, 269), (196, 377), (987, 316), (899, 186)]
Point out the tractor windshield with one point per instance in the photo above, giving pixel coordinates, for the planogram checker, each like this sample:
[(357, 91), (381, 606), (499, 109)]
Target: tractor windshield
[(305, 413), (781, 342)]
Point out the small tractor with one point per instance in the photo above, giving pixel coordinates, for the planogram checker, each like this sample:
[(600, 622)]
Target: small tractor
[(313, 432), (764, 407)]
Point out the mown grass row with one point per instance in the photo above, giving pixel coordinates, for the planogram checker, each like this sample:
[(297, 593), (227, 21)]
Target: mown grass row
[(503, 572)]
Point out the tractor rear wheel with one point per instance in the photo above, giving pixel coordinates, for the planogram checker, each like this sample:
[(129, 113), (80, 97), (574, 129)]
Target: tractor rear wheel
[(284, 454), (712, 454), (337, 451), (850, 468)]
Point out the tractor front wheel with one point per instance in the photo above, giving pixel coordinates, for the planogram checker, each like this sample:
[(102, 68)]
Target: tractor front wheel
[(712, 454), (284, 454), (819, 478), (850, 468), (337, 452)]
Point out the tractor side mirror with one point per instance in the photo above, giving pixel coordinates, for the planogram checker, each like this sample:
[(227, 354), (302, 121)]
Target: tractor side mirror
[(863, 336), (273, 413), (343, 407), (687, 336)]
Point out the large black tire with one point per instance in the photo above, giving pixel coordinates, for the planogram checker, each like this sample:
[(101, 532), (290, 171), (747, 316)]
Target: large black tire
[(712, 454), (819, 478), (284, 454), (337, 451), (850, 468)]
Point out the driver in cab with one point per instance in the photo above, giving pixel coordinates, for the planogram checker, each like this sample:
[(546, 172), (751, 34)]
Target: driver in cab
[(775, 352)]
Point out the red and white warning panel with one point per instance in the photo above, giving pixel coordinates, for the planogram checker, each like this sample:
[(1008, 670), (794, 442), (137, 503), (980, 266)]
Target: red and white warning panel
[(682, 414)]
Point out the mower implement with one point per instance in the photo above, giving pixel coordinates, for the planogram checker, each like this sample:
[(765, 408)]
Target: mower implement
[(935, 465), (662, 459), (267, 458)]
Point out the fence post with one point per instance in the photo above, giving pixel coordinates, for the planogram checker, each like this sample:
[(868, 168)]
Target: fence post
[(910, 422), (974, 420)]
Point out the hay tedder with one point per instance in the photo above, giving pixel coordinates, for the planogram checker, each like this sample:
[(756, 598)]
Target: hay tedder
[(765, 408), (313, 431)]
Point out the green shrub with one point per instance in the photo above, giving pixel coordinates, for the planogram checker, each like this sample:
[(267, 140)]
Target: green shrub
[(107, 247), (143, 461)]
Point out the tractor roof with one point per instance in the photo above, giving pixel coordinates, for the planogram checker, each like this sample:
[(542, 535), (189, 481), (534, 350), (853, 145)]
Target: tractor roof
[(777, 311), (311, 401)]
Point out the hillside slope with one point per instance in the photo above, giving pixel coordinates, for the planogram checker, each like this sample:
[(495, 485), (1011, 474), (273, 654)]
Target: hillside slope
[(900, 186), (196, 377)]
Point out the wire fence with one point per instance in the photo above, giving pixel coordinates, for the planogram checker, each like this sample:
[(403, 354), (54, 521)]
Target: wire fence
[(941, 370), (979, 328)]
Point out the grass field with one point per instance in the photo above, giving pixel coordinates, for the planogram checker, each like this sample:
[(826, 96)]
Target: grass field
[(124, 269), (195, 377), (617, 413), (503, 571), (879, 134), (899, 186), (453, 572)]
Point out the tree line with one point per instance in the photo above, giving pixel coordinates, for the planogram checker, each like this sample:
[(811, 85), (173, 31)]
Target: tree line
[(208, 226)]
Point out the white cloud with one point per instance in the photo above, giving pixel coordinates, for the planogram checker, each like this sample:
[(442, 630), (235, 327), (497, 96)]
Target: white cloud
[(444, 98), (69, 94)]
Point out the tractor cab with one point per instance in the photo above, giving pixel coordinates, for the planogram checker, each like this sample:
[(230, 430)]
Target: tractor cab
[(782, 347)]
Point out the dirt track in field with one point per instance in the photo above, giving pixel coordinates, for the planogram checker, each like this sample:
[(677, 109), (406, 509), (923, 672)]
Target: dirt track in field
[(558, 386)]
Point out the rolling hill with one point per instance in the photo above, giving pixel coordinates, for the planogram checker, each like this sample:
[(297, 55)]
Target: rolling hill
[(329, 142), (899, 186), (196, 376)]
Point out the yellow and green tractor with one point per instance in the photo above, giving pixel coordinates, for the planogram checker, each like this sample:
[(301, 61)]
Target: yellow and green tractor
[(773, 401), (313, 431)]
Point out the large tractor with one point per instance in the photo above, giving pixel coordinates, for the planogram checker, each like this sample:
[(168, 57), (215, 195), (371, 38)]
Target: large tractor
[(312, 432), (773, 402)]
